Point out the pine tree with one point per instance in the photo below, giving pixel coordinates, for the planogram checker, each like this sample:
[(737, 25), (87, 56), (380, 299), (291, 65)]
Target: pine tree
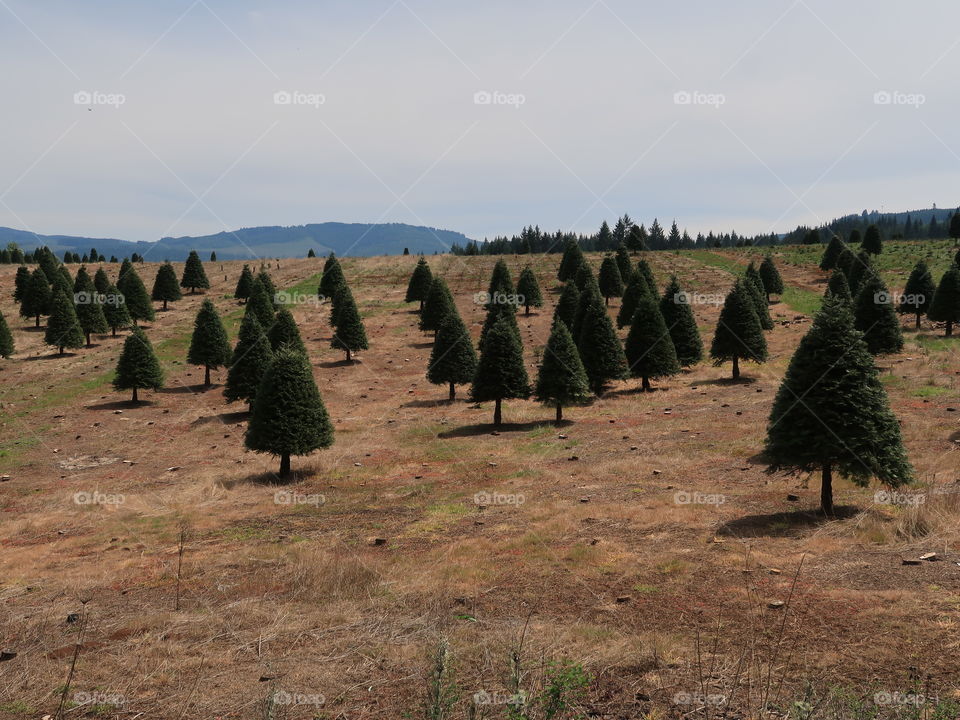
[(871, 241), (529, 290), (193, 274), (213, 256), (570, 262), (954, 230), (566, 308), (348, 334), (165, 286), (244, 284), (135, 295), (647, 273), (610, 282), (832, 254), (562, 379), (501, 284), (63, 328), (82, 281), (63, 280), (36, 297), (770, 277), (250, 359), (271, 290), (623, 263), (439, 305), (831, 412), (311, 253), (7, 346), (637, 238), (918, 292), (845, 263), (20, 283), (649, 348), (599, 346), (332, 278), (876, 318), (838, 287), (681, 324), (285, 333), (89, 306), (500, 372), (585, 278), (100, 281), (636, 289), (739, 334), (604, 237), (860, 268), (419, 286), (289, 417), (115, 309), (453, 361), (209, 345), (946, 300), (260, 305), (590, 293), (755, 286)]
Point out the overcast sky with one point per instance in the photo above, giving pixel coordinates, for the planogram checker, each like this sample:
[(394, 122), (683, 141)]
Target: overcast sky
[(139, 120)]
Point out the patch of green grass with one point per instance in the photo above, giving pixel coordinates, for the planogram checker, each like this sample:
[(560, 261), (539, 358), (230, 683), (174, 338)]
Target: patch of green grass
[(803, 301), (937, 343), (646, 589), (930, 391), (17, 707)]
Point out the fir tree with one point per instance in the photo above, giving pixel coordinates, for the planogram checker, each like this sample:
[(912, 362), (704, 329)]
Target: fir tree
[(83, 281), (946, 300), (36, 297), (285, 333), (501, 284), (271, 290), (838, 287), (584, 278), (165, 286), (100, 281), (871, 241), (135, 295), (89, 306), (954, 230), (115, 309), (636, 289), (562, 379), (213, 256), (566, 309), (209, 345), (831, 412), (7, 346), (453, 361), (500, 372), (610, 282), (770, 277), (419, 286), (439, 305), (570, 262), (681, 324), (250, 359), (289, 417), (755, 286), (918, 292), (832, 254), (63, 328), (876, 318), (63, 280), (860, 268), (599, 346), (260, 305), (332, 278), (637, 238), (845, 263), (529, 290), (348, 334), (649, 348), (623, 263), (739, 334), (590, 293), (244, 284), (20, 283), (193, 274), (647, 273), (311, 253)]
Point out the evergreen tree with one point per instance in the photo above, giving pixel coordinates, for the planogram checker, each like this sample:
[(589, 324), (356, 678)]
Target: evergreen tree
[(624, 265), (135, 295), (7, 346), (681, 324), (420, 281), (47, 262), (493, 314), (918, 292), (311, 253), (500, 372), (213, 256), (739, 334), (570, 262), (284, 332), (946, 300), (244, 284), (591, 293), (529, 289), (832, 254), (165, 286), (83, 281), (954, 230), (439, 305), (845, 262), (566, 308), (209, 345), (584, 278), (770, 277), (637, 238), (332, 278), (20, 283), (871, 241), (647, 273), (271, 290), (649, 348), (259, 304), (63, 328), (837, 287), (755, 286), (604, 237), (600, 348), (636, 289), (193, 274), (501, 284), (610, 282), (348, 334), (831, 412), (860, 268), (562, 379), (100, 281), (250, 359), (876, 318), (115, 309), (453, 361), (289, 417), (89, 306), (36, 297), (63, 280)]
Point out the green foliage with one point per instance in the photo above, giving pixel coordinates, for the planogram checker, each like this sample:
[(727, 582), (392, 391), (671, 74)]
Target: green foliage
[(529, 289), (566, 309), (624, 265), (420, 281), (609, 280), (562, 379), (244, 284), (837, 286), (860, 267), (7, 346), (754, 285), (918, 292), (194, 275), (439, 304), (137, 367), (831, 255), (570, 262), (501, 373), (738, 334), (285, 333), (348, 333), (875, 317), (165, 286), (36, 296), (649, 348), (871, 241), (89, 306), (115, 309), (63, 328), (250, 359), (644, 267), (209, 345), (267, 282), (770, 277), (20, 282), (584, 277), (453, 360), (260, 304), (135, 295), (501, 283), (681, 324), (600, 348), (946, 300), (636, 289), (100, 281), (494, 312), (332, 279)]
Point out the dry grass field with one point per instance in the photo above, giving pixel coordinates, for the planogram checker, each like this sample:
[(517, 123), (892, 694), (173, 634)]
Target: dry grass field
[(334, 596)]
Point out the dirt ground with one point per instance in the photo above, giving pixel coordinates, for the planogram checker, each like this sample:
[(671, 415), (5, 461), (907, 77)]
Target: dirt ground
[(337, 590)]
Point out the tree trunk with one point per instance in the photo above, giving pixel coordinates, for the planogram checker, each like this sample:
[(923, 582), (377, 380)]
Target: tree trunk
[(646, 384), (497, 415), (826, 490), (285, 465), (768, 298), (348, 355), (421, 306), (453, 391), (88, 340), (38, 321), (61, 349), (114, 331), (164, 304), (736, 368), (206, 377), (949, 328), (528, 310), (606, 302), (134, 395), (918, 321), (559, 413)]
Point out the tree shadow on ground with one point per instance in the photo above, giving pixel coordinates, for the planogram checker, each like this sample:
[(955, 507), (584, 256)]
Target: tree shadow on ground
[(420, 346), (725, 381), (784, 524), (32, 329), (487, 428), (431, 403), (120, 405), (266, 479), (191, 389), (52, 356), (338, 363), (638, 390), (225, 418)]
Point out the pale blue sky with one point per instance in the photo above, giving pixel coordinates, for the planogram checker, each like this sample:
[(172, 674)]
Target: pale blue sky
[(199, 145)]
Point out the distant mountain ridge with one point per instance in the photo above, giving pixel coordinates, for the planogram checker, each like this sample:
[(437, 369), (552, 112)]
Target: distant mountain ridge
[(362, 239)]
